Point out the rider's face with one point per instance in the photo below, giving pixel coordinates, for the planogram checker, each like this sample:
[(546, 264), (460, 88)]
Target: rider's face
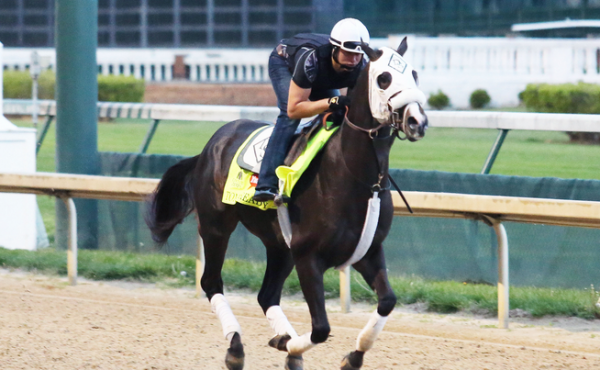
[(347, 60)]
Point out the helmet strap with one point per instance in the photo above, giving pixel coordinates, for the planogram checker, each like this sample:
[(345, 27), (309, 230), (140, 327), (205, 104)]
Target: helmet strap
[(334, 55)]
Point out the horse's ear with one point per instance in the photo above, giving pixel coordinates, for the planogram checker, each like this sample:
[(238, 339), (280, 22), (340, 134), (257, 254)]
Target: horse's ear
[(403, 46), (372, 54)]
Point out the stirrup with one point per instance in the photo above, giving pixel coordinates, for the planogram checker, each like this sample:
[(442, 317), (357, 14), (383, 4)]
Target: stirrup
[(264, 195)]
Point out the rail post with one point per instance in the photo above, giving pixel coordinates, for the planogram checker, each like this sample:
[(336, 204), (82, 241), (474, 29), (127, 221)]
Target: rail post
[(72, 240), (345, 292), (199, 267), (503, 285)]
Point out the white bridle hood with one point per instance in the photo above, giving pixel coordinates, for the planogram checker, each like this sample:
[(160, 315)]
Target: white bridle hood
[(402, 90)]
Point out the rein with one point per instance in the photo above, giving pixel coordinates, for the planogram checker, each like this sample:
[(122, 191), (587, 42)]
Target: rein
[(395, 127)]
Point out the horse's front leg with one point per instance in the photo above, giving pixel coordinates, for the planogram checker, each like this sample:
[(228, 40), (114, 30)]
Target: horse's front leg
[(310, 273), (372, 268), (279, 267)]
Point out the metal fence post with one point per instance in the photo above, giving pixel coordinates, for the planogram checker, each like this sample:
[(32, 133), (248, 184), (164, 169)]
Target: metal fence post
[(72, 240)]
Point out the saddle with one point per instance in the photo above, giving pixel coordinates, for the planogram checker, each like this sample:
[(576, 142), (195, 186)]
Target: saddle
[(252, 153), (242, 178)]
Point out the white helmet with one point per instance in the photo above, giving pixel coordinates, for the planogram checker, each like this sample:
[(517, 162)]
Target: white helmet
[(348, 34)]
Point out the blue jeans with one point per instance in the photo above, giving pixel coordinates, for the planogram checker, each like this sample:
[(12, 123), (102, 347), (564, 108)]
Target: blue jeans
[(285, 127)]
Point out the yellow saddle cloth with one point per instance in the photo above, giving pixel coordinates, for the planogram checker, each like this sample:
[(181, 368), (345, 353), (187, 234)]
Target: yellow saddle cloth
[(241, 183)]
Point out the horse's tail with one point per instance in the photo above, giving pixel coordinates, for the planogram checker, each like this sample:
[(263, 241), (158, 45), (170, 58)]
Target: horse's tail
[(172, 200)]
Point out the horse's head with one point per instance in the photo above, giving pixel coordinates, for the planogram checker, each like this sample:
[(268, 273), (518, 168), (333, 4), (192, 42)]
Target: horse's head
[(394, 95)]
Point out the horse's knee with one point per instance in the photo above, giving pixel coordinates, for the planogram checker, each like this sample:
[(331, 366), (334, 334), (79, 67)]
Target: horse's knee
[(386, 304), (320, 334)]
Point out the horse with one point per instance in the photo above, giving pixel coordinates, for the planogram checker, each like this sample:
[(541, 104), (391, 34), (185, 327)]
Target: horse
[(326, 209)]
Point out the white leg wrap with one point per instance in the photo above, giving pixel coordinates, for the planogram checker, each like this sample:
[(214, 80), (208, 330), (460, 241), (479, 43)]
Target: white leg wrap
[(221, 307), (298, 345), (369, 334), (279, 322)]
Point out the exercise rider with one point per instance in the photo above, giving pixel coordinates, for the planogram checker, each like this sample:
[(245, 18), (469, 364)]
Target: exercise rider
[(307, 72)]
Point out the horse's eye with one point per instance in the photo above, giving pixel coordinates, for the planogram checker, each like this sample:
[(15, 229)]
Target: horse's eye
[(384, 80), (416, 77)]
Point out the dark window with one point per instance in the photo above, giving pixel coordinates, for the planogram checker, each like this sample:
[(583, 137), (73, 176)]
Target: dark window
[(228, 3), (262, 2), (160, 38), (191, 19), (297, 18), (128, 19), (8, 4), (103, 19), (35, 39), (35, 4), (103, 4), (193, 3), (297, 2), (228, 37), (228, 18), (35, 20), (8, 20), (124, 4), (193, 38), (127, 38), (160, 3), (262, 38), (9, 38), (103, 38), (160, 19), (261, 18)]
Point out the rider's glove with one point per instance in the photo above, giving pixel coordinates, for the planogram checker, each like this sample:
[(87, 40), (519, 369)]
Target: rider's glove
[(339, 102)]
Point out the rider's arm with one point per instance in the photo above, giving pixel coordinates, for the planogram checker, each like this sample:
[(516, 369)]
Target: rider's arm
[(300, 107)]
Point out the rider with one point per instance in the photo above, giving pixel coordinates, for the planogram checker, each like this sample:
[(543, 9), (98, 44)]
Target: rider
[(307, 72)]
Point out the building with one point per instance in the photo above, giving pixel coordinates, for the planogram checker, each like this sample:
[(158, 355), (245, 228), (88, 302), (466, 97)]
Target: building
[(259, 23), (174, 23)]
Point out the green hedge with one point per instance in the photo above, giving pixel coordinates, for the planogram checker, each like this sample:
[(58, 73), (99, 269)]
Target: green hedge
[(17, 85), (565, 98)]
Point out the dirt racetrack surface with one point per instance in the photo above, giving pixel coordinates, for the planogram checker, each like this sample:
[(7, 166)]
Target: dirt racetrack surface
[(47, 324)]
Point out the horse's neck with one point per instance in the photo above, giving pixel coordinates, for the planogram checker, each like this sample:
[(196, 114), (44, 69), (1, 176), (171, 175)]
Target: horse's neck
[(365, 158)]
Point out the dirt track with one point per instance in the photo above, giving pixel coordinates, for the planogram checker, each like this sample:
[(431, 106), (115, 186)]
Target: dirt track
[(46, 324)]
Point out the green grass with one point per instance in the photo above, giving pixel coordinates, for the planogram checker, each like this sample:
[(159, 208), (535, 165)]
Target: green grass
[(439, 296), (524, 153)]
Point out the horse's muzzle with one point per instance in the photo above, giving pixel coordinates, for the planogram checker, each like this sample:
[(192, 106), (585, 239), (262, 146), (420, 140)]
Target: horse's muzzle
[(415, 122)]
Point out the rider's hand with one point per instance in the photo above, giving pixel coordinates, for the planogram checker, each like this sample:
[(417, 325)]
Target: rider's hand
[(339, 102)]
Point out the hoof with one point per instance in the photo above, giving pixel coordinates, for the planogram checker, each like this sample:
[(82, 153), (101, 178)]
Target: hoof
[(234, 360), (279, 342), (294, 363), (353, 361)]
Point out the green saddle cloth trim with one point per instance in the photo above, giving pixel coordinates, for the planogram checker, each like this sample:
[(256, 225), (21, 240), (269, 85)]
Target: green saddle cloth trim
[(241, 183)]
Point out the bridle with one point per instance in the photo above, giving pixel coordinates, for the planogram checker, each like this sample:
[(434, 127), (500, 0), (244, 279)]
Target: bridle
[(396, 124)]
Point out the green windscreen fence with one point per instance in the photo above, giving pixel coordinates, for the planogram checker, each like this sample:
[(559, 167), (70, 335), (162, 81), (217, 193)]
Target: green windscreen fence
[(434, 248)]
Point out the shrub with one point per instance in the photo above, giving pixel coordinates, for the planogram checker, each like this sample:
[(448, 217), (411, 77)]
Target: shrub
[(120, 89), (564, 98), (17, 85), (439, 100), (479, 99)]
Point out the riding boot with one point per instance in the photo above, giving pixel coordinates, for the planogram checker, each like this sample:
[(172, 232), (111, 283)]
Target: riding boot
[(279, 143)]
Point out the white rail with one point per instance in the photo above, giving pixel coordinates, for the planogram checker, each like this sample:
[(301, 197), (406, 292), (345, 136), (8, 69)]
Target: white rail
[(226, 113), (491, 209)]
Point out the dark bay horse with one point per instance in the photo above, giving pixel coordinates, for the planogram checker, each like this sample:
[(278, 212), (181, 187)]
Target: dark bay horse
[(327, 210)]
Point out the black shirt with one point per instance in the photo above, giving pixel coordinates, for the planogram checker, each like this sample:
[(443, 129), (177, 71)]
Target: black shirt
[(312, 68)]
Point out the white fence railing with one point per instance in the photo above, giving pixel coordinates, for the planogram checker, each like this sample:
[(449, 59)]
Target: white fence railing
[(457, 66), (492, 209)]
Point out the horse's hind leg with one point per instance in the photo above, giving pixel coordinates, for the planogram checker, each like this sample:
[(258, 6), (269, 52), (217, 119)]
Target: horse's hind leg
[(215, 232), (372, 268)]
